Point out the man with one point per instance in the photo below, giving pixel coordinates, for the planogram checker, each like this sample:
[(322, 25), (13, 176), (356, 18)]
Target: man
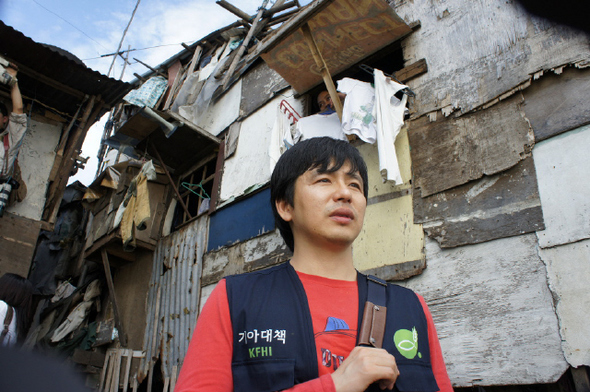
[(294, 326), (12, 132), (325, 102)]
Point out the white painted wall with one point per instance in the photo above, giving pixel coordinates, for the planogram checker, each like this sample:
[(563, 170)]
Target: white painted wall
[(250, 164), (562, 164), (36, 158), (477, 50), (493, 311), (568, 268)]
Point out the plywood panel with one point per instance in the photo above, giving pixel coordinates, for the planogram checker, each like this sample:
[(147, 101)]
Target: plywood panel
[(558, 103), (479, 50), (260, 252), (568, 270), (18, 238), (562, 164), (498, 206), (453, 151), (258, 86), (493, 312)]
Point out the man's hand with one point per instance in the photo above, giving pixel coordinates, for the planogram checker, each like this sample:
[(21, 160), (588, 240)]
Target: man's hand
[(364, 366)]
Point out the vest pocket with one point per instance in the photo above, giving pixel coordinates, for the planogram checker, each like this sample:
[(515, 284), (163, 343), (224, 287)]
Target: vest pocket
[(415, 376), (264, 375)]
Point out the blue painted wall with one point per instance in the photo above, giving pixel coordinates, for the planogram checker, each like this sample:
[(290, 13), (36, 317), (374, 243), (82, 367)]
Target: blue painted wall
[(241, 220)]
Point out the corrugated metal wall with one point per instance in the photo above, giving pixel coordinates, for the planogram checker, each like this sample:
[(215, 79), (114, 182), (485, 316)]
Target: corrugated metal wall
[(173, 299)]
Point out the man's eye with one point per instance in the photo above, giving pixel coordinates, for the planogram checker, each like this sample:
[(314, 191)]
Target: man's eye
[(355, 185)]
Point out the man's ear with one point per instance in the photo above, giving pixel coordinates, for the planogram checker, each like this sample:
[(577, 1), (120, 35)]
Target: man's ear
[(285, 210)]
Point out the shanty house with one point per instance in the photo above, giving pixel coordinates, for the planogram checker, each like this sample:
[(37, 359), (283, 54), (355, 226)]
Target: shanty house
[(489, 221)]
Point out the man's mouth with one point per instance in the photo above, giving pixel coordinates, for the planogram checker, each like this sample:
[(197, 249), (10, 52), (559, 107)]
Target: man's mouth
[(342, 215)]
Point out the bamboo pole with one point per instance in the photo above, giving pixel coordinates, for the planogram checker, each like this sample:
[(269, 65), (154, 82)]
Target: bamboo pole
[(319, 60)]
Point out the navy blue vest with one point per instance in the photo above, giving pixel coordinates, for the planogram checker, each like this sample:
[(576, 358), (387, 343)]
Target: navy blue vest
[(273, 342)]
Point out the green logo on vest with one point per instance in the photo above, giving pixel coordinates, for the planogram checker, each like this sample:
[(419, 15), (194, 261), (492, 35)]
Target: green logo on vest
[(406, 342)]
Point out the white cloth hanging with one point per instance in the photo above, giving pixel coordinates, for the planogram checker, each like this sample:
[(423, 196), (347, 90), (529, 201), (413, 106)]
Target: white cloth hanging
[(389, 112), (357, 111)]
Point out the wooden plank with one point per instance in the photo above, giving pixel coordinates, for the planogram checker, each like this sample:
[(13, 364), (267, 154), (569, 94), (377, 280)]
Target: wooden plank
[(112, 295), (498, 206), (411, 71), (558, 103), (581, 379), (453, 151), (259, 85), (18, 239), (492, 306), (346, 32)]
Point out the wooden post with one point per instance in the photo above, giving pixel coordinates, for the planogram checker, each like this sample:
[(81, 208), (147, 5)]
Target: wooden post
[(319, 60), (171, 181), (109, 277), (242, 49), (581, 379), (195, 60)]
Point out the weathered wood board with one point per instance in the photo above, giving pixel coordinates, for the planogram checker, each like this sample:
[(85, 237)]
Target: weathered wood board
[(18, 239), (479, 50), (498, 206), (557, 103), (453, 151), (568, 270), (562, 165), (493, 312), (259, 85), (250, 255)]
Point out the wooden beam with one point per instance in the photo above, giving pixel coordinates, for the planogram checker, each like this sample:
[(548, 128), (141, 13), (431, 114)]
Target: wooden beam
[(242, 49), (109, 278), (234, 10), (581, 379), (182, 203), (411, 71), (319, 60), (195, 60)]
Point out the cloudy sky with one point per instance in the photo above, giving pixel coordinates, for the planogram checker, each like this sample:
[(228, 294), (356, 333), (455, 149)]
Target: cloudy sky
[(90, 29)]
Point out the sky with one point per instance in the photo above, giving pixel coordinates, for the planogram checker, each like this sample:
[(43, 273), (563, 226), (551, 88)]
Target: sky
[(90, 29)]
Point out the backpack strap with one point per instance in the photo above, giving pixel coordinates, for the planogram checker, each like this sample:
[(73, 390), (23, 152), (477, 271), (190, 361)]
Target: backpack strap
[(374, 314), (7, 321)]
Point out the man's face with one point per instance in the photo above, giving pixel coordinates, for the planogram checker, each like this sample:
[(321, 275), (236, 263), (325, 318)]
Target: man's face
[(328, 208), (3, 121), (324, 101)]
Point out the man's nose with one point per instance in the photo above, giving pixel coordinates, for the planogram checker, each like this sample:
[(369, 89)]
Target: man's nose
[(342, 191)]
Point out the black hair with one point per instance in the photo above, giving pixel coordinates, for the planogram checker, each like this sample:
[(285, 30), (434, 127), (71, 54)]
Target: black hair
[(3, 109), (17, 292), (327, 155)]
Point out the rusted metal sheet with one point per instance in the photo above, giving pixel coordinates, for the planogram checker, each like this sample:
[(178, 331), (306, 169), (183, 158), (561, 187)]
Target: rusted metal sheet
[(503, 205), (173, 298), (346, 32), (453, 151), (557, 103), (259, 85)]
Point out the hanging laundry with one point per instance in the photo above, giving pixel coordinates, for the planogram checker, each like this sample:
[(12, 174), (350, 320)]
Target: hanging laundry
[(389, 112), (357, 111), (134, 211), (318, 125), (149, 93)]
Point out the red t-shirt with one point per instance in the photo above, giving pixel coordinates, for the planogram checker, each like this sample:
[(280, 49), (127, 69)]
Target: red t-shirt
[(334, 310)]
